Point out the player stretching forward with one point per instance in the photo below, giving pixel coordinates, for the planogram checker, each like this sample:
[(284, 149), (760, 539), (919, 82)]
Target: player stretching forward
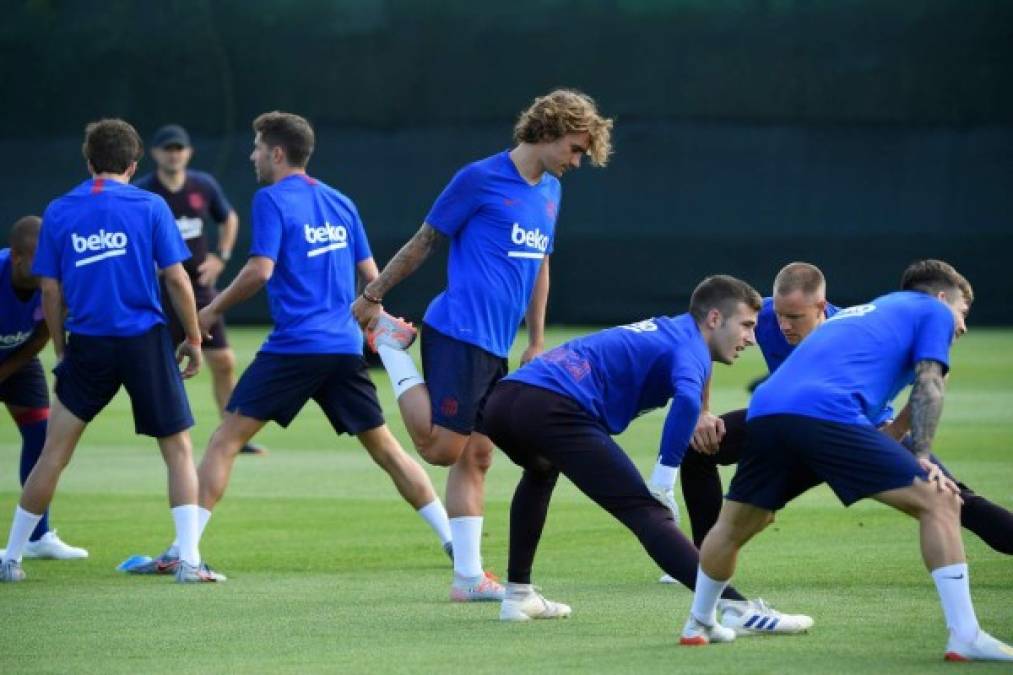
[(813, 421), (195, 198), (23, 334), (97, 254), (308, 246), (797, 308), (558, 414), (500, 215)]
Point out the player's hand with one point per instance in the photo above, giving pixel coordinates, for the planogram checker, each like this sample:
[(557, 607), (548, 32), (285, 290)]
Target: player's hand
[(943, 482), (531, 352), (193, 356), (206, 319), (209, 270), (710, 429), (366, 312)]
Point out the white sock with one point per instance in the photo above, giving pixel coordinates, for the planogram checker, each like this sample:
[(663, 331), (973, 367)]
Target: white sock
[(954, 588), (400, 369), (467, 537), (436, 516), (203, 516), (185, 518), (21, 529), (705, 598)]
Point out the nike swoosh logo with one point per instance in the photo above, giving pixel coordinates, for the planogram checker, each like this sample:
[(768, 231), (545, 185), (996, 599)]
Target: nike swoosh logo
[(403, 379), (960, 577)]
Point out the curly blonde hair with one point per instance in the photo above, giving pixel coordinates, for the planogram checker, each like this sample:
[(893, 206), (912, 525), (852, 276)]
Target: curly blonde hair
[(562, 112)]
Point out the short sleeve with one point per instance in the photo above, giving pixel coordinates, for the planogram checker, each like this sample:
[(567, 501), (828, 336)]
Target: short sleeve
[(47, 252), (266, 227), (359, 241), (166, 242), (934, 335), (219, 206), (456, 204)]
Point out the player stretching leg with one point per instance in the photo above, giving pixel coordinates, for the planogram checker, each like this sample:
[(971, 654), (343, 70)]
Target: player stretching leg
[(814, 421), (558, 415), (797, 307), (500, 216), (98, 250), (308, 247), (195, 199), (23, 334)]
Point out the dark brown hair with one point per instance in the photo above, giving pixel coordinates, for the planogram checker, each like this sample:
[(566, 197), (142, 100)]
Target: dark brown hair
[(723, 293), (25, 233), (111, 146), (291, 133), (932, 276)]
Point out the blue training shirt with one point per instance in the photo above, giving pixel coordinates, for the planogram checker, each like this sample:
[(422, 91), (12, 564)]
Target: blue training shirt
[(851, 367), (501, 228), (620, 373), (315, 237), (18, 318), (773, 345), (102, 241)]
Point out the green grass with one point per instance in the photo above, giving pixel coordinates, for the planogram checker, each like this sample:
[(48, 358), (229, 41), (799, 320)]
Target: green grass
[(331, 571)]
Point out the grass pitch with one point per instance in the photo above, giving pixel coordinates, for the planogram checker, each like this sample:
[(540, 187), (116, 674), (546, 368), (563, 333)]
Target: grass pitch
[(330, 571)]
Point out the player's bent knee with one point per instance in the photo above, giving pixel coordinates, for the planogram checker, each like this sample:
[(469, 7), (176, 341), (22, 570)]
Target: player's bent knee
[(438, 454)]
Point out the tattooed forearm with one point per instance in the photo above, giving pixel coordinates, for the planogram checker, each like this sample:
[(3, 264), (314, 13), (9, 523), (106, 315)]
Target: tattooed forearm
[(407, 260), (926, 404)]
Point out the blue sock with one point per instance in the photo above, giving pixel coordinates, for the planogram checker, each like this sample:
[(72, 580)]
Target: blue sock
[(33, 437)]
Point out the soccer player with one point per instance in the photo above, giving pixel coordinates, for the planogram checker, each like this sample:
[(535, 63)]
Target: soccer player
[(499, 214), (97, 254), (308, 247), (195, 198), (558, 415), (798, 306), (23, 390), (813, 421)]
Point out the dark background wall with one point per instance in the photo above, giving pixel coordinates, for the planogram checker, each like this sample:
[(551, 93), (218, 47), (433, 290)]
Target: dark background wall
[(856, 134)]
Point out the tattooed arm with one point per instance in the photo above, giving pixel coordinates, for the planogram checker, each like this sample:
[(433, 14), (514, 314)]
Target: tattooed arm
[(403, 264), (926, 404)]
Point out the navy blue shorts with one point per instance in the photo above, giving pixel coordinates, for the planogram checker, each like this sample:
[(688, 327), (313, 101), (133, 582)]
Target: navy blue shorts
[(277, 386), (460, 377), (94, 367), (787, 454), (26, 387)]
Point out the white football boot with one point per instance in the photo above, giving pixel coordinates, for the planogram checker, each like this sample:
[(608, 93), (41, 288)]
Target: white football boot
[(51, 547), (984, 647), (756, 617), (524, 603), (696, 633)]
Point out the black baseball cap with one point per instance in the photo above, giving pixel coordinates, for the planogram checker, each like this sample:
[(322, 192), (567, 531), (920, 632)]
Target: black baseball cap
[(171, 134)]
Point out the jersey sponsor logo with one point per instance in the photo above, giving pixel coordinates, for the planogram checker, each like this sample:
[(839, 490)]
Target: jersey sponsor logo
[(646, 326), (190, 228), (531, 239), (14, 339), (852, 312), (332, 237), (105, 244)]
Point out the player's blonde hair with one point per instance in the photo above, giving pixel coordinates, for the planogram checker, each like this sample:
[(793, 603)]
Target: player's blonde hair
[(800, 276), (562, 112)]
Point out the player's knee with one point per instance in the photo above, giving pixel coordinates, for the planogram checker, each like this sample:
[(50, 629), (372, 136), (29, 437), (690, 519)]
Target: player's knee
[(480, 458), (222, 362), (436, 453)]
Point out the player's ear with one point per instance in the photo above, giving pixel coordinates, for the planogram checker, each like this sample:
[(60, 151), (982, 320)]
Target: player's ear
[(131, 170), (714, 318)]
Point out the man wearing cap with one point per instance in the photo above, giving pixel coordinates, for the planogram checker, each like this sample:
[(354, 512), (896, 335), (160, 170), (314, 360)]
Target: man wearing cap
[(196, 199)]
